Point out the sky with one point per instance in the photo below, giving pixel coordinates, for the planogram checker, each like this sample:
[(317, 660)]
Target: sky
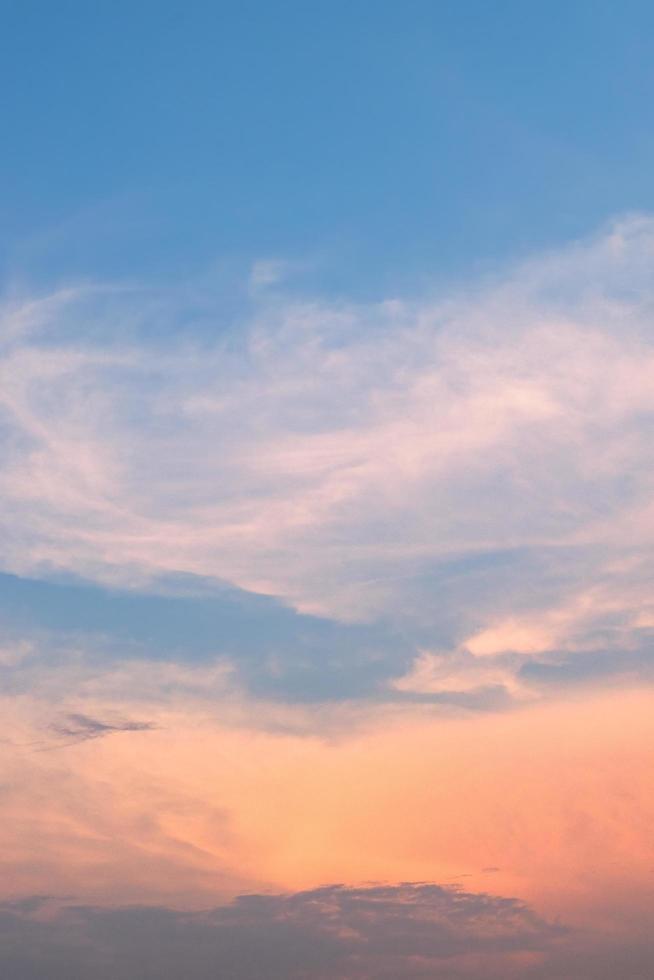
[(326, 482)]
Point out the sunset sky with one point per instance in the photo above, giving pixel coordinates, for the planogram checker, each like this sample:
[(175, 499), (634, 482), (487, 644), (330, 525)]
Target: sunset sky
[(327, 490)]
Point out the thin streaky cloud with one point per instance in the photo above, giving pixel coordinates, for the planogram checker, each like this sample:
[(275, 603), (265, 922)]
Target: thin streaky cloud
[(80, 728)]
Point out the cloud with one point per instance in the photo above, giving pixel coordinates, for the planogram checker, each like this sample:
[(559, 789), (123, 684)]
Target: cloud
[(80, 728), (439, 674), (269, 649), (267, 272), (408, 930), (377, 932), (477, 469)]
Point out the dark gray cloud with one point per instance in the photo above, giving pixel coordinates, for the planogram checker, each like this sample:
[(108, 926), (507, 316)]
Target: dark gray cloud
[(380, 931), (77, 727)]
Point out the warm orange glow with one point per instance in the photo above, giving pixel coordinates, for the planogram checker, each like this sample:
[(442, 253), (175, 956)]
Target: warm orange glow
[(558, 800)]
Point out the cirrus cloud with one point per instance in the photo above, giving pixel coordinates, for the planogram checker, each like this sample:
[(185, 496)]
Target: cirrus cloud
[(478, 467)]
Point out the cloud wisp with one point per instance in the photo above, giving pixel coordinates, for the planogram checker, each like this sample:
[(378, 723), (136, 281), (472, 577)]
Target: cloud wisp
[(77, 727)]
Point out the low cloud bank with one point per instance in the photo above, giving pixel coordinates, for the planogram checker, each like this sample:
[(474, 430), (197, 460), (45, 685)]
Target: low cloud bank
[(417, 931), (410, 930)]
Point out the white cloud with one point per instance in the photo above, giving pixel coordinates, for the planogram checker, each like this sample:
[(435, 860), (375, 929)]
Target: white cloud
[(335, 455), (436, 673), (267, 272)]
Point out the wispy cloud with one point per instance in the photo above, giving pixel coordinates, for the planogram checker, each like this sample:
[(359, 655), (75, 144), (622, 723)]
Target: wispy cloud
[(81, 728), (267, 272), (477, 468)]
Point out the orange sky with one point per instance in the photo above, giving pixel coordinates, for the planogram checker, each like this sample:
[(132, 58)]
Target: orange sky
[(558, 798)]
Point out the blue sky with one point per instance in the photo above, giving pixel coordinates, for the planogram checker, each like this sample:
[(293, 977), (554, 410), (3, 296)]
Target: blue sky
[(383, 148)]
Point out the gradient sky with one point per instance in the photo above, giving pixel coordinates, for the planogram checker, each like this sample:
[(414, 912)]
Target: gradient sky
[(326, 490)]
